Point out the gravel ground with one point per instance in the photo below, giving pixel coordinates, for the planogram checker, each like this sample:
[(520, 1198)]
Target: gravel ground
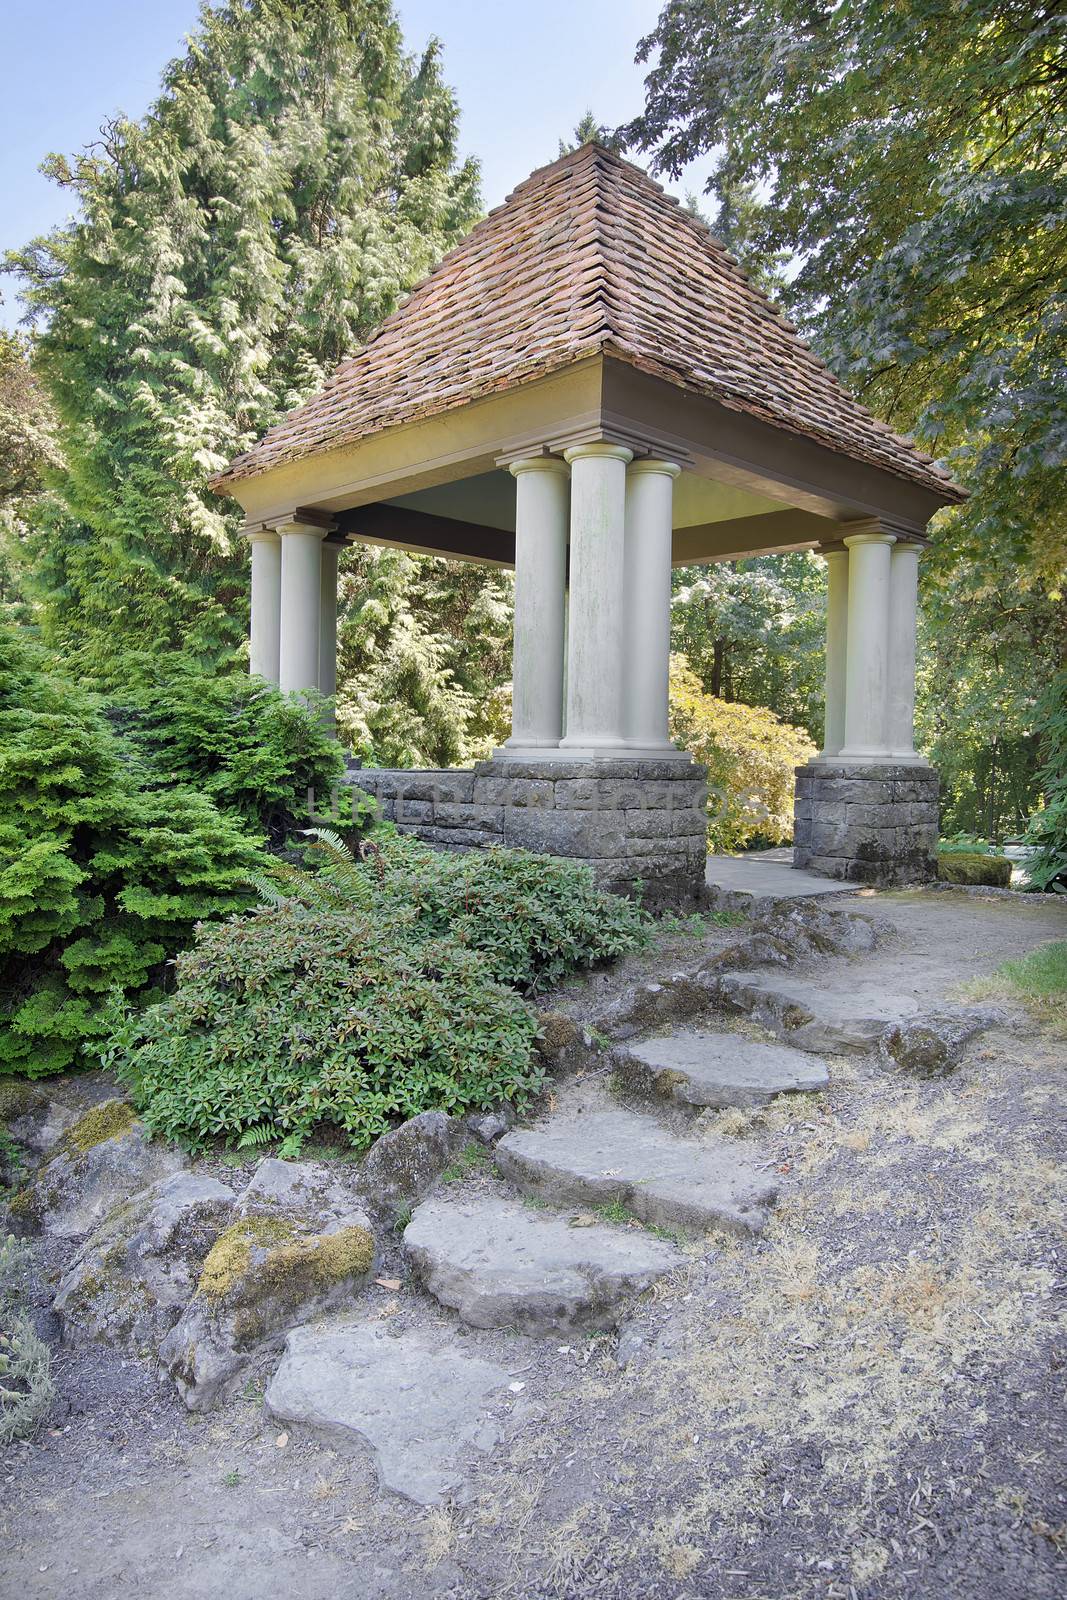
[(866, 1404)]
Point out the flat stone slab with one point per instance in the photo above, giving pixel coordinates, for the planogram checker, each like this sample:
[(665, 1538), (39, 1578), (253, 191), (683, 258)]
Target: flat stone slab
[(502, 1265), (714, 1070), (815, 1014), (418, 1401), (602, 1157), (757, 875)]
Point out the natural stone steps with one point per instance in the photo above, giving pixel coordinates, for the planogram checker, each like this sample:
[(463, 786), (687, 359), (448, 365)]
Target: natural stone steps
[(615, 1156), (848, 1016), (501, 1264), (698, 1069), (417, 1400)]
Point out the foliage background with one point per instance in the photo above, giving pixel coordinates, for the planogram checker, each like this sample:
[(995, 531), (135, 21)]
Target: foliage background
[(906, 158)]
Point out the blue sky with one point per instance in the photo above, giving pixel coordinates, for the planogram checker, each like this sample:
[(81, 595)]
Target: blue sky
[(524, 76)]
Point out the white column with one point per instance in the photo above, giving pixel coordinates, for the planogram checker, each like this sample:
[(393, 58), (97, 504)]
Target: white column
[(647, 617), (595, 637), (265, 603), (867, 667), (903, 609), (836, 650), (541, 505), (300, 602)]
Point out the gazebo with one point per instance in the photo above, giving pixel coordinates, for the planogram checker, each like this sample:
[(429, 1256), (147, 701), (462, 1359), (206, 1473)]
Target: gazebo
[(588, 388)]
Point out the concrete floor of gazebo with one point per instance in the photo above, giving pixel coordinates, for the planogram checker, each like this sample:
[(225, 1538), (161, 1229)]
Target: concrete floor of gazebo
[(769, 872)]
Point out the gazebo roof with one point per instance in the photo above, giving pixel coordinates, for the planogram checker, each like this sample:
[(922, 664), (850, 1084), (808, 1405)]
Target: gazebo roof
[(587, 257)]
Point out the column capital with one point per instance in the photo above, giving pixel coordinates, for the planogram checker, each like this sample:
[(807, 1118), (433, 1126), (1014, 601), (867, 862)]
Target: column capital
[(654, 464), (298, 525), (254, 535), (599, 448), (538, 464), (874, 537)]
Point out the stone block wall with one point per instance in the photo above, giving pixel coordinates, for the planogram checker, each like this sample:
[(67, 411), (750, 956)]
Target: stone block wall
[(629, 820), (876, 825)]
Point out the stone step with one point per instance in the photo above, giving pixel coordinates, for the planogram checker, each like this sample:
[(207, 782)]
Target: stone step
[(698, 1069), (416, 1399), (838, 1014), (616, 1156), (502, 1265)]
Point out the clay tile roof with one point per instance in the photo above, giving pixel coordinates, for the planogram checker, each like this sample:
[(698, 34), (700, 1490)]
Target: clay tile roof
[(587, 255)]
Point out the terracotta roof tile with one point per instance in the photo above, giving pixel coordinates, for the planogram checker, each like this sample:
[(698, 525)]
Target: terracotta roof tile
[(587, 256)]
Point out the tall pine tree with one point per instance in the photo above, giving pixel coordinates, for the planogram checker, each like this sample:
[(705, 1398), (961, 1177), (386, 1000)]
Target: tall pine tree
[(296, 176)]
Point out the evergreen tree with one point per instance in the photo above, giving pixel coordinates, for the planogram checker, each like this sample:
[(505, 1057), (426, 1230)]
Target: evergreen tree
[(297, 174), (424, 652)]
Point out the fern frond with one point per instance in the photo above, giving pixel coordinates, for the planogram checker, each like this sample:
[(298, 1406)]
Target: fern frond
[(263, 1133), (283, 884), (269, 892), (339, 867)]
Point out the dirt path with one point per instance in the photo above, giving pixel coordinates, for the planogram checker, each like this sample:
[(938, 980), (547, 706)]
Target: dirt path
[(866, 1404)]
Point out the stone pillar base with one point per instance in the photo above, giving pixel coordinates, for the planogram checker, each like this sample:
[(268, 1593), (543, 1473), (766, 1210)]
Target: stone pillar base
[(866, 824), (630, 820)]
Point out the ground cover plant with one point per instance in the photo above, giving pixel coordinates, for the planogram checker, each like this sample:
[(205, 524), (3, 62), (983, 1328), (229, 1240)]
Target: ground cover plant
[(292, 1019), (26, 1386), (366, 992), (533, 918)]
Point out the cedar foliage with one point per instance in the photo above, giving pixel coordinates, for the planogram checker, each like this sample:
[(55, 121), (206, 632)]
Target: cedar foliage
[(297, 174), (112, 849)]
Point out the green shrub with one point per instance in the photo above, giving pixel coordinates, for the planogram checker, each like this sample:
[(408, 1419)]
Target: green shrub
[(293, 1018), (533, 919), (958, 866), (751, 756), (103, 873), (253, 751)]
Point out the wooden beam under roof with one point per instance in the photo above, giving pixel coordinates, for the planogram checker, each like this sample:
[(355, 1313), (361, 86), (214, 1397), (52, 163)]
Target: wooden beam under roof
[(424, 533), (401, 528)]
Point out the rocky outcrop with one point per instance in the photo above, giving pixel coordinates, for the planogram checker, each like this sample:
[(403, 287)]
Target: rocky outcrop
[(932, 1046), (265, 1274), (405, 1164), (132, 1278), (97, 1163)]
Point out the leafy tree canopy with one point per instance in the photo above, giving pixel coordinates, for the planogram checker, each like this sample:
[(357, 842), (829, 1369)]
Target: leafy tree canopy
[(912, 155)]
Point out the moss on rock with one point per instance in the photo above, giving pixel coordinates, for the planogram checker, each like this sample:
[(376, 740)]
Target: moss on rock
[(321, 1261), (17, 1097), (108, 1120), (555, 1033), (229, 1260), (967, 867)]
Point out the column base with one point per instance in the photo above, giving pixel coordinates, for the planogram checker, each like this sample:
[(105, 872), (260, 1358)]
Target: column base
[(635, 822), (867, 822)]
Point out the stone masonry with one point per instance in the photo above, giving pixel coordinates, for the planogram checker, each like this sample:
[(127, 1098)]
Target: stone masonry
[(629, 820), (867, 824)]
